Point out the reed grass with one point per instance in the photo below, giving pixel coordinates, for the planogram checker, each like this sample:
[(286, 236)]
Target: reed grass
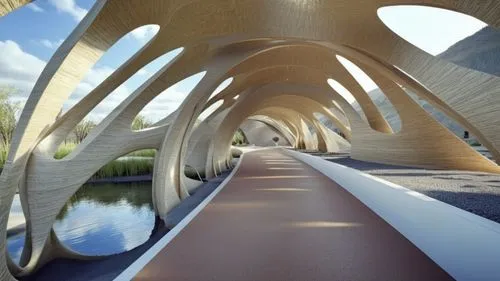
[(4, 149), (64, 149), (143, 153), (124, 168)]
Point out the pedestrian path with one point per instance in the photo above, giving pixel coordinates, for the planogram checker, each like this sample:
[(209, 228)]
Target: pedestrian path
[(279, 219)]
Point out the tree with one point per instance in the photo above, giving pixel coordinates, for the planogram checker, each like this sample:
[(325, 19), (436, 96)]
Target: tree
[(140, 122), (82, 130), (276, 139), (8, 116)]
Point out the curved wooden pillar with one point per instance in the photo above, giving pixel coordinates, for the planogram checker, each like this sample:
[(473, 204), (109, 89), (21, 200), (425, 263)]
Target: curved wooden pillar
[(278, 76), (468, 96), (283, 117), (246, 105), (357, 124), (7, 6), (418, 129), (118, 132), (319, 58), (279, 126), (260, 131), (259, 43), (286, 128), (306, 108)]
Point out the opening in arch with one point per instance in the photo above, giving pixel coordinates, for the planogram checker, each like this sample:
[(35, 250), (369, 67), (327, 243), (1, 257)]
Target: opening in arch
[(341, 90), (445, 119), (451, 124), (431, 29), (259, 130), (104, 218), (221, 87), (110, 61), (310, 141), (109, 103), (327, 122), (16, 230), (337, 112), (239, 138), (211, 109), (450, 35), (165, 103), (378, 97)]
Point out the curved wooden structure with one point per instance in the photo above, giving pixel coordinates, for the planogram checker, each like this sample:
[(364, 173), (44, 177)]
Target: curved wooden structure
[(281, 54)]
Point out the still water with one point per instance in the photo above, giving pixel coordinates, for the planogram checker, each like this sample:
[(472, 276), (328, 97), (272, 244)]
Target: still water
[(101, 219)]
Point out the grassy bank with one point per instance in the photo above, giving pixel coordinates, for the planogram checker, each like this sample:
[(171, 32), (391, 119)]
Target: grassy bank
[(124, 168), (67, 148), (137, 163), (128, 166), (117, 168)]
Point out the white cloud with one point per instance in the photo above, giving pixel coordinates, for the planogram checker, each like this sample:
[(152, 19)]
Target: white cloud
[(34, 7), (21, 70), (18, 68), (51, 44), (69, 7), (165, 103), (144, 33), (94, 77)]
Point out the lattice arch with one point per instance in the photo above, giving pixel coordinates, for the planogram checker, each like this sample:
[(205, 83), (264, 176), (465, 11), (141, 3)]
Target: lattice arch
[(280, 70)]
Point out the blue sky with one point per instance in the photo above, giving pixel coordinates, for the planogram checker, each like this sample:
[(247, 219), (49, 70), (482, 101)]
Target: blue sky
[(30, 35)]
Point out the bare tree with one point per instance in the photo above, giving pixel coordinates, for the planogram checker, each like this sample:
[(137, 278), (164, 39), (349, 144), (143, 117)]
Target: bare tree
[(82, 130), (8, 116)]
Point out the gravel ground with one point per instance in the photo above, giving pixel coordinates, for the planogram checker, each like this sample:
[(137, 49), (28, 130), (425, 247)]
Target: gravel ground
[(476, 192)]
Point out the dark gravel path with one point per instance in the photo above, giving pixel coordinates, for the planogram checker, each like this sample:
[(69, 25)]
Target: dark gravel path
[(476, 192)]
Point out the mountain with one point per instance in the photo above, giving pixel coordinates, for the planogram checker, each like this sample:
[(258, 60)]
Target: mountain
[(480, 51)]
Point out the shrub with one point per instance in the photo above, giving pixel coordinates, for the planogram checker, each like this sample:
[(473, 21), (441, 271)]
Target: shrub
[(64, 149)]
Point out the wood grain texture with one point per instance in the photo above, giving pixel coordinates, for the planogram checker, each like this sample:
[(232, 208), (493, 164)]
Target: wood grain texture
[(8, 6), (280, 54)]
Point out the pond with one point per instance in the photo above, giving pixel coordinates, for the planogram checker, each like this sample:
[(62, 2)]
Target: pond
[(101, 219)]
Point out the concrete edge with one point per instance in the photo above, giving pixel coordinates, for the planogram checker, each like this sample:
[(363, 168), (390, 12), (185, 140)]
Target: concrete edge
[(465, 245), (145, 258)]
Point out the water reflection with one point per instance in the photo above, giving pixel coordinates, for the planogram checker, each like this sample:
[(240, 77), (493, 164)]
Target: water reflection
[(102, 219)]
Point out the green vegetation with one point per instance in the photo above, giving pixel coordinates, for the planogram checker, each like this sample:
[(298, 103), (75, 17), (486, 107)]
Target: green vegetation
[(139, 162), (3, 155), (126, 167), (132, 166), (239, 138), (143, 153), (8, 116), (82, 130), (140, 122), (64, 150)]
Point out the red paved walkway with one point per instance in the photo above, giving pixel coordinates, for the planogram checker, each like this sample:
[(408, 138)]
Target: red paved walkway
[(279, 219)]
